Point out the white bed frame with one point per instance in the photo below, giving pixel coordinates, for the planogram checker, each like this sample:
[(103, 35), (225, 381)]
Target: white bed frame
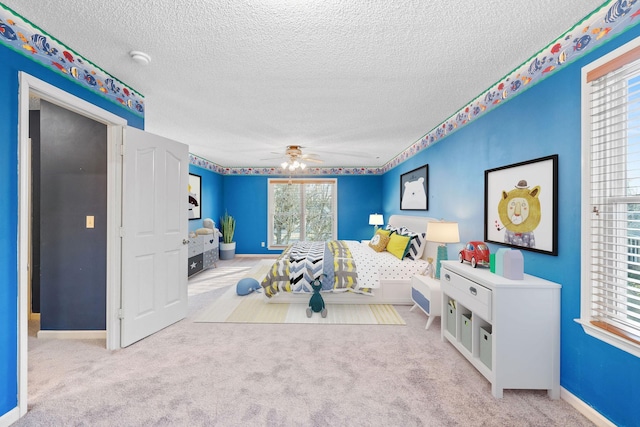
[(390, 291)]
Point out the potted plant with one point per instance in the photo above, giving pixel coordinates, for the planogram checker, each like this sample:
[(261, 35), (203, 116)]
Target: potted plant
[(228, 246)]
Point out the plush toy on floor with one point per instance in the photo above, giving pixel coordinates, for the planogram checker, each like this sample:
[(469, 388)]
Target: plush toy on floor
[(316, 303)]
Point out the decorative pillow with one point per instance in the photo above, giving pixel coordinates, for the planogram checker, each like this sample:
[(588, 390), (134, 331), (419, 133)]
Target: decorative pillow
[(398, 245), (384, 232), (418, 243), (379, 242), (390, 228)]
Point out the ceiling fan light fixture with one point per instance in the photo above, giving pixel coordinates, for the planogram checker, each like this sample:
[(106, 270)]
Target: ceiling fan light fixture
[(295, 157)]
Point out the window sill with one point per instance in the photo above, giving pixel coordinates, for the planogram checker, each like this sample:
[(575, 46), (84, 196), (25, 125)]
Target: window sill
[(609, 338)]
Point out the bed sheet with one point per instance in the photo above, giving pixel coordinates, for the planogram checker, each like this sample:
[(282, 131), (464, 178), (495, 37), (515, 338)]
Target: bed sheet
[(375, 268)]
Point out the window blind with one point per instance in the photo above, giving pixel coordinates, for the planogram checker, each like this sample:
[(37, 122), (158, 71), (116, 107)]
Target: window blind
[(615, 200)]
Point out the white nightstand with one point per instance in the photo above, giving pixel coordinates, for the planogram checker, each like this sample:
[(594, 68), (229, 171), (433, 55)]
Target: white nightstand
[(425, 293)]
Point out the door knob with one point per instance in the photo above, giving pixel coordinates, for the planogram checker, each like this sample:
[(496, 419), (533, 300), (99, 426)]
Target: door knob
[(185, 241)]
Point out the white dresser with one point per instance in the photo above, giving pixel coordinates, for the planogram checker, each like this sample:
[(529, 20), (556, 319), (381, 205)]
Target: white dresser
[(508, 329), (203, 252)]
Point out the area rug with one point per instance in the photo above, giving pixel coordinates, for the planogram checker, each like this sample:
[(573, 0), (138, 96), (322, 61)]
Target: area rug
[(253, 308)]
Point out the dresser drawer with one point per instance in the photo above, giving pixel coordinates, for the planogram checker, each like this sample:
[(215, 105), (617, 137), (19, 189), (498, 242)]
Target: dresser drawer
[(468, 293), (196, 245), (210, 242)]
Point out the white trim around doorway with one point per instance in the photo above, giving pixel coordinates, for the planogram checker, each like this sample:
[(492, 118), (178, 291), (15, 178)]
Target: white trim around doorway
[(31, 85)]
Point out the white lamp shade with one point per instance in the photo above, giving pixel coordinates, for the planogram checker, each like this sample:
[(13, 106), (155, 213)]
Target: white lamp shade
[(376, 219), (443, 232)]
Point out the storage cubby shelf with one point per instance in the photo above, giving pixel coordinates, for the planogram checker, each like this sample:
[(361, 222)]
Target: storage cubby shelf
[(514, 326)]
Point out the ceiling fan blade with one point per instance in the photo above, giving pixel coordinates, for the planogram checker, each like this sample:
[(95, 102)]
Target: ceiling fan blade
[(344, 153), (311, 159)]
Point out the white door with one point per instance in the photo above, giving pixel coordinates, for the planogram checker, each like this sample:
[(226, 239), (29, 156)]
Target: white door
[(155, 229)]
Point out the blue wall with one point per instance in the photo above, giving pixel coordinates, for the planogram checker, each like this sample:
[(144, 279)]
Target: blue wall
[(12, 63), (245, 198), (542, 121), (211, 198)]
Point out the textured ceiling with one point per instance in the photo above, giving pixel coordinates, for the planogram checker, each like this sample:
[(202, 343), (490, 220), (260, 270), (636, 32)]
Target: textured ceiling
[(355, 82)]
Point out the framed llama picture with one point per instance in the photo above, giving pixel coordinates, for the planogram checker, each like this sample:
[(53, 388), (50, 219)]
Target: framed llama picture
[(414, 189), (521, 205)]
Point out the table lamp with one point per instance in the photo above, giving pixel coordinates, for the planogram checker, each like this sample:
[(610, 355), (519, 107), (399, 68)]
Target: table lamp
[(376, 220), (442, 232)]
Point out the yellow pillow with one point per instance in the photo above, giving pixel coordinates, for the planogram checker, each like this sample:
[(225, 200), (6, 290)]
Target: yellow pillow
[(384, 232), (398, 245), (379, 242)]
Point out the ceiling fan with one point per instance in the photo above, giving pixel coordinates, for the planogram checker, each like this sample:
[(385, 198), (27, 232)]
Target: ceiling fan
[(296, 159)]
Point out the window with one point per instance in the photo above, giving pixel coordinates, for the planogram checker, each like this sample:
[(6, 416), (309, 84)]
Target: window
[(610, 278), (302, 209)]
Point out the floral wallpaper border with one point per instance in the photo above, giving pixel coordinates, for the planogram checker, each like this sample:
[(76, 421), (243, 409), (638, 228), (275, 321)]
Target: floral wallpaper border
[(609, 20), (208, 165), (22, 36)]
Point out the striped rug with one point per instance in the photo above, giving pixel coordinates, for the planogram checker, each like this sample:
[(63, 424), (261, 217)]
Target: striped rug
[(253, 308)]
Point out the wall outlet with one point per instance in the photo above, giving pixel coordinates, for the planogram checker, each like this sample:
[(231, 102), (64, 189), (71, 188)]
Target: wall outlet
[(262, 244)]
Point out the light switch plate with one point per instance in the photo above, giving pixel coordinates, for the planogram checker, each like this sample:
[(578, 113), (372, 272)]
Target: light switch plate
[(90, 221)]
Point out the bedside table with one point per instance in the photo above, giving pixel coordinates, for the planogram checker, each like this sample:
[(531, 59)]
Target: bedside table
[(425, 293)]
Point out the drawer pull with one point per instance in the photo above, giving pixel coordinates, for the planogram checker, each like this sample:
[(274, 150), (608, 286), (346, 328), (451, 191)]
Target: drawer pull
[(473, 290), (446, 276)]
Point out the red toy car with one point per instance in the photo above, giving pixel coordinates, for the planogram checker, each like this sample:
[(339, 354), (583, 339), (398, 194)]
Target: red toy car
[(475, 253)]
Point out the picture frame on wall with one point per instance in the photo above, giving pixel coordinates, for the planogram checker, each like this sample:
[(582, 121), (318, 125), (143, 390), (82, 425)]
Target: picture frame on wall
[(195, 196), (521, 205), (414, 189)]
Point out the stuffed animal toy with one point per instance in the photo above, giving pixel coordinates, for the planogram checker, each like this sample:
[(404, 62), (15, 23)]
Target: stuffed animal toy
[(247, 285), (316, 303)]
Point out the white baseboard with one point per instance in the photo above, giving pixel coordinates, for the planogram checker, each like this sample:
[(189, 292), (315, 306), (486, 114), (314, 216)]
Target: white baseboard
[(592, 415), (34, 316), (73, 335), (10, 417)]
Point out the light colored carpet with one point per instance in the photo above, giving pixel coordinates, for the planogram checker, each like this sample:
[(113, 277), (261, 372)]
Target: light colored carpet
[(227, 272), (253, 308), (235, 374)]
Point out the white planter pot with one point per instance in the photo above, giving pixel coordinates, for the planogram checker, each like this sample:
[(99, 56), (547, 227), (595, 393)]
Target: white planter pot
[(227, 250)]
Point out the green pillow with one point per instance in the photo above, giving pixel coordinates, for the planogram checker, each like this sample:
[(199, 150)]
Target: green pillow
[(398, 245)]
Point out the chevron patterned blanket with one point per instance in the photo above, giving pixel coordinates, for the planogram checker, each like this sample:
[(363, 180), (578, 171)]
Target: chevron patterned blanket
[(302, 262)]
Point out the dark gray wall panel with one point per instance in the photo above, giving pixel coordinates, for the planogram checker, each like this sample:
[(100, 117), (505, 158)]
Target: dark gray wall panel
[(34, 134), (73, 185)]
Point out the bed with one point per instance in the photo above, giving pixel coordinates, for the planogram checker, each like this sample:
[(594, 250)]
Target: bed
[(381, 277)]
